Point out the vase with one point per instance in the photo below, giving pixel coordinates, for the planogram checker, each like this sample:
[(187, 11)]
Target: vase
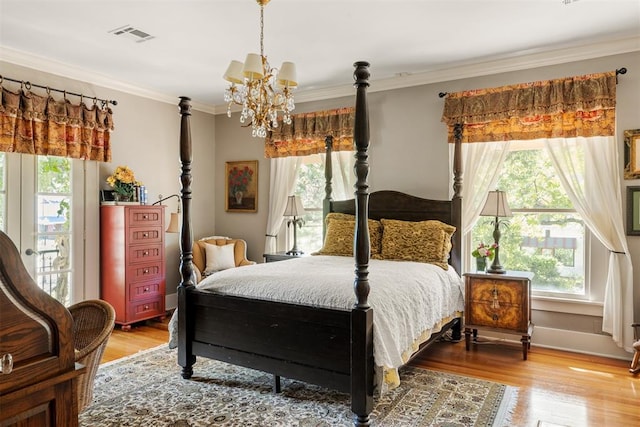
[(238, 196), (118, 197), (481, 263)]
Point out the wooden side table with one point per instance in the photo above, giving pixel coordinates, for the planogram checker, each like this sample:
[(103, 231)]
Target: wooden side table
[(498, 302), (280, 256)]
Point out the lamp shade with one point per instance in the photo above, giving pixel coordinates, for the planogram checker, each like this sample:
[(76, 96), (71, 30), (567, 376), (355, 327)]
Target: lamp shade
[(174, 224), (287, 75), (496, 205), (253, 67), (234, 72), (294, 207)]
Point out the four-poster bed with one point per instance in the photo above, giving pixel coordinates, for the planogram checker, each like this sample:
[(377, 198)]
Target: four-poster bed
[(327, 346)]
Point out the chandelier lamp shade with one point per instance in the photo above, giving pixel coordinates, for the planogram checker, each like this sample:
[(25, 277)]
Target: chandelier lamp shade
[(260, 90), (294, 210), (496, 206)]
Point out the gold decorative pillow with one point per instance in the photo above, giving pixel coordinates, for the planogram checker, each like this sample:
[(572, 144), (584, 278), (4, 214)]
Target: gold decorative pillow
[(424, 241), (338, 238)]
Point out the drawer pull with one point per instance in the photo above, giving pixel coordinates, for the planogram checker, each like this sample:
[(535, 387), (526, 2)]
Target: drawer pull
[(145, 253), (146, 307), (145, 290), (495, 317), (144, 217), (145, 234), (6, 365), (145, 271), (495, 304)]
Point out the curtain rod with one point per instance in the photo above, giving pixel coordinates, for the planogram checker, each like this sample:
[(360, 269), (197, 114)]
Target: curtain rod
[(622, 70), (27, 84)]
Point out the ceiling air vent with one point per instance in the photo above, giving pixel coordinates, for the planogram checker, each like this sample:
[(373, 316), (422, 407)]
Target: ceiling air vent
[(132, 33)]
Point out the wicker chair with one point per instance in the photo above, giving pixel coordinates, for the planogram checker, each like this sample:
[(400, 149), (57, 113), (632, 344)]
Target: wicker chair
[(93, 323)]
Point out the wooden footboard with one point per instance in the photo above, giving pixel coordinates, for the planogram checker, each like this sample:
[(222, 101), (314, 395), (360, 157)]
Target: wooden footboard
[(307, 343)]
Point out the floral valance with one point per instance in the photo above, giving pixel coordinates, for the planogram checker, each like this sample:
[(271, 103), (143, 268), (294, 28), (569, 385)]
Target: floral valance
[(307, 132), (35, 124), (567, 107)]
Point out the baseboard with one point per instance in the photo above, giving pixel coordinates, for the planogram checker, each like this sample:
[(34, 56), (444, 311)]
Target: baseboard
[(563, 339)]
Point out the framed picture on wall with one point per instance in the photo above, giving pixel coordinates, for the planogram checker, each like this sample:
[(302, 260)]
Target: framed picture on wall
[(633, 211), (632, 154), (241, 193)]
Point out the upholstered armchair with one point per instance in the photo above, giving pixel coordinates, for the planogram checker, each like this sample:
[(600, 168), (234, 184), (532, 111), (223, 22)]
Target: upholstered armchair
[(215, 254)]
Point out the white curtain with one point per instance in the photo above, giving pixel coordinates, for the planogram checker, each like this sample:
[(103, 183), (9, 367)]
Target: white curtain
[(588, 171), (344, 176), (281, 184)]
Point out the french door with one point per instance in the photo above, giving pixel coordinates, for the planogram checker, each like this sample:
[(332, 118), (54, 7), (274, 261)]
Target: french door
[(43, 213)]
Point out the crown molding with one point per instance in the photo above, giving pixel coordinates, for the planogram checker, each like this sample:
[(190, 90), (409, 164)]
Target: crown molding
[(51, 66), (521, 61)]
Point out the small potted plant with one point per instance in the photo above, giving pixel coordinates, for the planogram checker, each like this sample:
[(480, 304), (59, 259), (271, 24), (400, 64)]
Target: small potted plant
[(123, 183), (482, 253)]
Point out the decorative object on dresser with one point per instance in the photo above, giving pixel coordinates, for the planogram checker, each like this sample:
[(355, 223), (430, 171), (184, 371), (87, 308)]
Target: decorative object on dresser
[(295, 211), (38, 368), (123, 182), (132, 264), (241, 193), (497, 207), (174, 222), (256, 94), (500, 303)]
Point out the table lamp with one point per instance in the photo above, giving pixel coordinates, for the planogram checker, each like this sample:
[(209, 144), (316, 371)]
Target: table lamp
[(497, 207), (295, 210)]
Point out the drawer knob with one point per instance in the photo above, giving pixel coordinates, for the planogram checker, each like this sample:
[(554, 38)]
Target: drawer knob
[(144, 217), (145, 271), (495, 304), (145, 290), (495, 317), (145, 234), (146, 307), (145, 253), (6, 365)]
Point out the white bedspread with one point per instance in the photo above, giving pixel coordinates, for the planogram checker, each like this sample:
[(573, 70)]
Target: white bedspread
[(409, 299)]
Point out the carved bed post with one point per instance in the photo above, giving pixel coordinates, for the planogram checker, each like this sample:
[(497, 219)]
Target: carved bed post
[(362, 369), (456, 209), (328, 176), (186, 359)]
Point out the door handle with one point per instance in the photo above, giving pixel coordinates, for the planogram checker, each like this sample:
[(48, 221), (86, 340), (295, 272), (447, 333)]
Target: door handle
[(30, 251)]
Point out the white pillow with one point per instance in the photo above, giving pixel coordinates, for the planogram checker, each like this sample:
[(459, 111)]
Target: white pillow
[(219, 257)]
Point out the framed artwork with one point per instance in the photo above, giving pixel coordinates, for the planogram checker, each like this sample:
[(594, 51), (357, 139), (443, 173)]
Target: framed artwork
[(633, 211), (241, 192), (632, 154)]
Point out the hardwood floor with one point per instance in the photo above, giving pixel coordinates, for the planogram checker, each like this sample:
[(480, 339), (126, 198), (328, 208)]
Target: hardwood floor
[(556, 387)]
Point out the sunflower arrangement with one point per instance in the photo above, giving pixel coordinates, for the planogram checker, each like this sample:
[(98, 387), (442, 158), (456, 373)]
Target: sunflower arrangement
[(123, 182)]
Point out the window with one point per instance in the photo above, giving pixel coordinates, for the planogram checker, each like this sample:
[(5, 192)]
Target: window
[(545, 235), (310, 188)]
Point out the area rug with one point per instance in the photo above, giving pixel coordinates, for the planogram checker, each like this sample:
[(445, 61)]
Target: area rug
[(147, 390)]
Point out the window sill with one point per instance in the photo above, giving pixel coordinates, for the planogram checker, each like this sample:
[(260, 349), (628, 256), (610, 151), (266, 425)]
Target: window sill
[(564, 305)]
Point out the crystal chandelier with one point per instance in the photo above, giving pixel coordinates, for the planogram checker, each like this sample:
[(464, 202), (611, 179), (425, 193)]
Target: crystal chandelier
[(252, 87)]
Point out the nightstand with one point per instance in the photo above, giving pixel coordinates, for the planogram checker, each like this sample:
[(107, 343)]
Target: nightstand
[(498, 302), (280, 256)]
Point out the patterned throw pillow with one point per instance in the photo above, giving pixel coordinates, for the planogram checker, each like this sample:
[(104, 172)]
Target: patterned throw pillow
[(338, 238), (424, 241)]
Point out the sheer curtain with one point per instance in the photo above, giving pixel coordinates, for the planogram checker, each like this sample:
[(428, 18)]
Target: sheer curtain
[(344, 177), (281, 183), (588, 171)]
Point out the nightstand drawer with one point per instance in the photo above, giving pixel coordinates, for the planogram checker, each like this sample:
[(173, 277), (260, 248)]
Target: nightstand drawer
[(497, 315), (508, 291)]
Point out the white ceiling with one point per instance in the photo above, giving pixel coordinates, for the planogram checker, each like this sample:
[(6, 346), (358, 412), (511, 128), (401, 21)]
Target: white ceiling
[(405, 41)]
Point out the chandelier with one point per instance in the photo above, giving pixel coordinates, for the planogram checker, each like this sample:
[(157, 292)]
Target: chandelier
[(255, 87)]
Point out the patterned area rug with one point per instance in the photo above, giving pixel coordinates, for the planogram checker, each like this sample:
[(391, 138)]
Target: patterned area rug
[(147, 390)]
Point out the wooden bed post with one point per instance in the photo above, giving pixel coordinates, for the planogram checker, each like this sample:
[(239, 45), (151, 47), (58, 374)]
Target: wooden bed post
[(362, 365), (456, 207), (186, 359), (328, 177)]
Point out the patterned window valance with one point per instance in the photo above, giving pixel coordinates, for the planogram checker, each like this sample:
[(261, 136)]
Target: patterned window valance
[(307, 132), (34, 124), (568, 107)]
